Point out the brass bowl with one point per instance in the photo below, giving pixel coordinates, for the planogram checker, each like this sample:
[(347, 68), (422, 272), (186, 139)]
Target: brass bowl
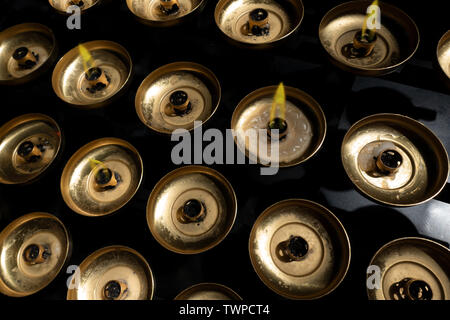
[(150, 12), (423, 169), (69, 77), (153, 96), (306, 125), (62, 5), (283, 19), (34, 249), (208, 291), (299, 249), (37, 130), (411, 269), (40, 43), (397, 40), (205, 195), (79, 186), (443, 56), (113, 273)]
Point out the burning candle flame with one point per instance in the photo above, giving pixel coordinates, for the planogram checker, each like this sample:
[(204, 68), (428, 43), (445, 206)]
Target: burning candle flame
[(372, 31), (94, 163), (88, 61), (279, 99)]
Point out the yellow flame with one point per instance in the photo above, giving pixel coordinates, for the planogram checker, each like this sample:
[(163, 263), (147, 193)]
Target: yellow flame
[(279, 99), (94, 163), (364, 27), (88, 61)]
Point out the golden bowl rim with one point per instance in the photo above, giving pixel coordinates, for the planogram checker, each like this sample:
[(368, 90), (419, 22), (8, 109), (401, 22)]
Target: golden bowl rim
[(301, 11), (96, 4), (82, 150), (168, 23), (171, 67), (205, 284), (272, 88), (45, 66), (443, 40), (370, 71), (323, 209), (190, 169), (11, 227), (6, 127), (97, 253), (402, 240), (92, 45), (402, 117)]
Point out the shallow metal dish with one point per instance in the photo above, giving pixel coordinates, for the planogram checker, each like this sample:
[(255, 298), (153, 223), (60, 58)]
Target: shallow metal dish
[(284, 19), (443, 56), (153, 96), (411, 269), (20, 275), (208, 291), (78, 186), (321, 264), (38, 129), (424, 169), (111, 268), (306, 125), (62, 5), (397, 40), (38, 39), (169, 197), (149, 11), (68, 79)]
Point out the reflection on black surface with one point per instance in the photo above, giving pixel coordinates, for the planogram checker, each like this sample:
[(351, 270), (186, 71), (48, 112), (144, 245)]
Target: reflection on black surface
[(384, 100)]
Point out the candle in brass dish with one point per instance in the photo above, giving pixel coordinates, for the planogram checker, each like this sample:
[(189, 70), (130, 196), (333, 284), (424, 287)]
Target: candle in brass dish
[(113, 273), (34, 250), (299, 249), (410, 269), (368, 37), (93, 74), (395, 160)]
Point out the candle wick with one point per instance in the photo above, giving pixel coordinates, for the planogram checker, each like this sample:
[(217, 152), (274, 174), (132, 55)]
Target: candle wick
[(279, 100)]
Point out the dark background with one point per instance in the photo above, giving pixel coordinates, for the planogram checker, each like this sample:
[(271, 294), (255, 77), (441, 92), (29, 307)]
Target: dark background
[(300, 62)]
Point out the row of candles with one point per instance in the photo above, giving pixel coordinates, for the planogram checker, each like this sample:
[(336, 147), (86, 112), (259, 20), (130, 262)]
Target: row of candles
[(176, 209), (318, 243), (355, 40)]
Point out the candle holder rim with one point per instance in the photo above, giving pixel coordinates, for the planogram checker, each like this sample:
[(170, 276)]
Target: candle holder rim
[(428, 243), (332, 218), (398, 118), (81, 154), (369, 71), (301, 96), (25, 27), (174, 67), (9, 126), (298, 4), (108, 45), (20, 221), (444, 40), (72, 294), (96, 4), (180, 172), (170, 22), (186, 293)]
